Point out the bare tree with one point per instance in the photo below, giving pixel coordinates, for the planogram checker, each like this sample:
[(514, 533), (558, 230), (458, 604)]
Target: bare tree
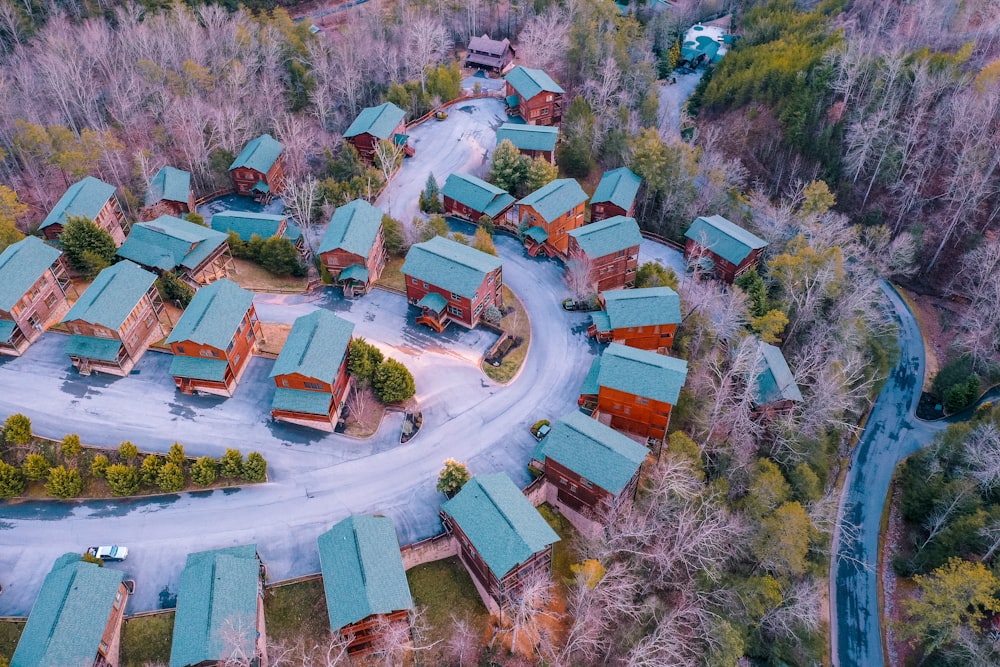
[(544, 39), (579, 277), (526, 612)]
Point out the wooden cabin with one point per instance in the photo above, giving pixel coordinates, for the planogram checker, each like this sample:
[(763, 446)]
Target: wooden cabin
[(114, 321), (717, 247), (471, 198), (33, 286), (608, 250), (353, 247), (246, 225), (615, 195), (489, 54), (644, 318), (196, 254), (547, 215), (776, 391), (534, 96), (214, 339), (89, 198), (533, 141), (170, 189), (386, 122), (259, 170)]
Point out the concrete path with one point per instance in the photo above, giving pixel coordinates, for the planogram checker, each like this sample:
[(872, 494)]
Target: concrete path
[(672, 99)]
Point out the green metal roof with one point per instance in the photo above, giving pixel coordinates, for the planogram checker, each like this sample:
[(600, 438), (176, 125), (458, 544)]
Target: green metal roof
[(594, 451), (21, 265), (261, 187), (530, 82), (84, 198), (536, 234), (214, 315), (590, 386), (362, 570), (556, 198), (168, 242), (112, 296), (302, 400), (701, 45), (246, 224), (68, 618), (643, 307), (353, 227), (728, 241), (169, 184), (199, 368), (642, 373), (380, 122), (6, 330), (775, 381), (477, 194), (260, 154), (449, 265), (512, 100), (529, 137), (354, 272), (607, 237), (618, 186), (601, 321), (499, 521), (89, 347), (432, 301), (316, 347), (216, 600)]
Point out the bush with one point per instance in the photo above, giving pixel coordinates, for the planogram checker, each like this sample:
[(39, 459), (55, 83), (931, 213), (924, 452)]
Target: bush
[(654, 274), (176, 455), (363, 360), (17, 430), (127, 451), (171, 478), (255, 468), (11, 481), (231, 464), (452, 477), (393, 382), (88, 248), (204, 471), (173, 289), (395, 242), (433, 226), (150, 470), (492, 315), (71, 446), (195, 218), (123, 480), (99, 466), (36, 467), (275, 254), (64, 482)]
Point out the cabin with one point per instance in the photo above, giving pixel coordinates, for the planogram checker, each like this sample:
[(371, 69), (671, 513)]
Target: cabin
[(615, 195), (534, 96), (89, 198), (644, 318), (547, 215), (76, 618), (502, 539), (214, 339), (533, 141), (171, 190), (703, 45), (471, 198), (607, 250), (451, 282), (719, 248), (353, 247), (367, 594), (220, 610), (196, 254), (246, 225), (775, 390), (386, 122), (633, 390), (489, 54), (259, 170), (311, 371), (114, 321), (33, 285)]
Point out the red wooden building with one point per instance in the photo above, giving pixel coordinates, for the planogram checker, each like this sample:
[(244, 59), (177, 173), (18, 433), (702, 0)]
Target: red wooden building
[(615, 195), (170, 189), (547, 215), (644, 318), (776, 391), (489, 54), (533, 141), (717, 247), (386, 122), (471, 198), (258, 170), (33, 286), (353, 247), (608, 250), (92, 199), (534, 96), (194, 253)]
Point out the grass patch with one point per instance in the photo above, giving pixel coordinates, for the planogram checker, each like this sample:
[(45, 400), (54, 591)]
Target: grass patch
[(563, 551), (518, 325), (146, 640), (445, 590), (10, 632), (273, 337), (392, 276), (297, 611), (253, 277)]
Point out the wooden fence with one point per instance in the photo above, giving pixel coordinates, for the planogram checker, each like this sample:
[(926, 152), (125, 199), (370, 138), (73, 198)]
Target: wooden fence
[(498, 95), (218, 193), (662, 239)]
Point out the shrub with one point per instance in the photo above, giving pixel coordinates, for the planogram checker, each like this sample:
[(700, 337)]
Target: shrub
[(255, 468), (36, 467), (486, 224), (127, 451), (452, 477), (204, 471), (88, 558), (196, 218), (395, 242), (123, 480), (64, 482), (171, 478), (11, 481), (17, 430), (172, 288), (88, 248), (231, 464), (99, 466), (393, 382), (150, 470), (71, 446), (363, 360), (176, 455), (492, 315)]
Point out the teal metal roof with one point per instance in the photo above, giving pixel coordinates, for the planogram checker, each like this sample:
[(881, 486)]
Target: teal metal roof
[(316, 347), (556, 198), (594, 451), (775, 381), (261, 187), (362, 570), (590, 386), (433, 302), (84, 198), (89, 347), (449, 265), (642, 373), (536, 234), (354, 272), (353, 227), (601, 321), (168, 242), (6, 330), (643, 307), (112, 296), (214, 315), (199, 368), (512, 100), (700, 45), (619, 187), (529, 137), (301, 400), (728, 241), (530, 82), (607, 236), (169, 184), (477, 194), (499, 521), (216, 601), (246, 224), (380, 122), (21, 265), (68, 618), (260, 154)]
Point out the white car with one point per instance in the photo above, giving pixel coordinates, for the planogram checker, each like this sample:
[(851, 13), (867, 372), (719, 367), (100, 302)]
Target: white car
[(109, 553)]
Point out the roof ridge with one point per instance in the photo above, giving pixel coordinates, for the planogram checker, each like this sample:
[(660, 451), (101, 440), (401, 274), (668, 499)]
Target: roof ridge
[(502, 513)]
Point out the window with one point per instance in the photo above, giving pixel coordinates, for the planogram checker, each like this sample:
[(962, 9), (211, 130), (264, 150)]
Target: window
[(456, 297), (621, 253), (313, 385), (544, 111), (639, 400), (180, 349), (101, 332), (548, 98), (249, 334), (209, 353), (479, 308), (413, 280), (50, 300), (229, 348), (455, 311), (426, 286), (489, 278), (237, 359), (33, 320), (586, 483), (284, 383)]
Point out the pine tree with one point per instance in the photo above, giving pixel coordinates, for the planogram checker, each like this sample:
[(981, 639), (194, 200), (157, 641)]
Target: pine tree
[(430, 198), (509, 170), (88, 248)]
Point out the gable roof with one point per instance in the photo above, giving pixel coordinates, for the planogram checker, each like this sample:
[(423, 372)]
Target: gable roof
[(607, 236), (642, 373), (594, 451), (727, 240), (168, 242), (499, 521), (530, 82), (85, 198), (353, 227), (259, 154), (315, 347), (21, 265), (216, 597), (489, 46), (362, 570), (112, 296), (477, 194), (169, 184), (214, 315), (380, 122), (642, 307), (246, 224), (68, 618), (775, 381), (529, 137), (619, 187), (556, 198), (450, 265)]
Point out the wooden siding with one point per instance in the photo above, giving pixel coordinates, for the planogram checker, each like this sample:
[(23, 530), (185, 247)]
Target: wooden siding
[(489, 293), (245, 178), (605, 209), (339, 389), (108, 653), (42, 305), (557, 229), (141, 327), (366, 143), (576, 491), (543, 109), (608, 272), (111, 219), (214, 267), (337, 260), (724, 269), (634, 414), (241, 348), (655, 338), (452, 207), (364, 635)]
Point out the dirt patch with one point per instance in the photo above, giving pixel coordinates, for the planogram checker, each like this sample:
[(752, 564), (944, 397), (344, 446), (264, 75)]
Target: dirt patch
[(273, 337), (895, 589), (937, 318), (364, 413), (250, 276)]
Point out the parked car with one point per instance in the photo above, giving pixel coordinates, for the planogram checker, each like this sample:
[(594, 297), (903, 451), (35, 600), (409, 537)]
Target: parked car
[(109, 553), (541, 429), (440, 115)]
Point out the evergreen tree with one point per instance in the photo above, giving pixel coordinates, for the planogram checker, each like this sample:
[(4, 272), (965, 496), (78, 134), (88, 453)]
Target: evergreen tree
[(11, 481), (576, 153), (64, 482), (231, 464), (99, 466), (452, 477), (204, 471), (150, 470), (541, 172), (71, 446), (393, 382), (17, 430), (483, 242), (127, 451), (89, 249), (176, 455), (255, 468), (172, 288), (395, 242), (363, 360), (35, 467), (430, 197), (171, 478), (123, 480), (509, 170)]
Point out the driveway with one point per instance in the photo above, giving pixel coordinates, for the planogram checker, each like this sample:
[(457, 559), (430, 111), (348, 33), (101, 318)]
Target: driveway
[(672, 99)]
